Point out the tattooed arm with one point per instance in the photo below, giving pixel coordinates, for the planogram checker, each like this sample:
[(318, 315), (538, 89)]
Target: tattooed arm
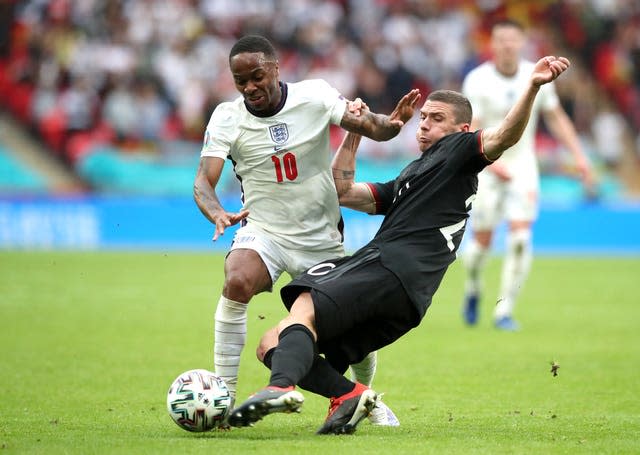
[(381, 127), (356, 196)]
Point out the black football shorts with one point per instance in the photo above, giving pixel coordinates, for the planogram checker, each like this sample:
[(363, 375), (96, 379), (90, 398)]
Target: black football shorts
[(360, 306)]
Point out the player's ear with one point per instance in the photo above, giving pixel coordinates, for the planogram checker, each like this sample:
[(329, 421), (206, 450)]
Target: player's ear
[(465, 127)]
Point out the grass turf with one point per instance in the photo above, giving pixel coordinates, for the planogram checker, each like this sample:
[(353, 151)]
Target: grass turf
[(91, 342)]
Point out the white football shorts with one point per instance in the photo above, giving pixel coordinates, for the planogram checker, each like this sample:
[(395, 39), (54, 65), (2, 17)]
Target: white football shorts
[(278, 258), (497, 200)]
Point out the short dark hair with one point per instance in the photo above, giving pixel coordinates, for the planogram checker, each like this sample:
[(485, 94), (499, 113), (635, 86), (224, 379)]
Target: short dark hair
[(253, 44), (461, 105), (508, 22)]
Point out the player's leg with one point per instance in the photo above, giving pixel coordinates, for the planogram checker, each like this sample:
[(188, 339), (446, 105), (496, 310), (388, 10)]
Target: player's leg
[(342, 312), (245, 276), (365, 310), (364, 371), (290, 360), (252, 266), (323, 378), (515, 270), (521, 211), (349, 402), (486, 213), (293, 359), (474, 258)]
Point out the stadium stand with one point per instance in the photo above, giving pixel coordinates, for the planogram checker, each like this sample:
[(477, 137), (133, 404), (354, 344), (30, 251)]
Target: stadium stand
[(119, 92), (26, 167), (16, 177)]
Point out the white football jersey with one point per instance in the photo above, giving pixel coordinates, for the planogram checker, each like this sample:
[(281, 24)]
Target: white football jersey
[(492, 95), (283, 162)]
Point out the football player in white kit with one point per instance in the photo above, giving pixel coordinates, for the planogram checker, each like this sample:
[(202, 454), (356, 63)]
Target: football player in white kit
[(508, 190), (276, 135)]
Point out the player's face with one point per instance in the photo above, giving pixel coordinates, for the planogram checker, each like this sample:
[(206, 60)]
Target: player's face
[(437, 120), (507, 42), (256, 78)]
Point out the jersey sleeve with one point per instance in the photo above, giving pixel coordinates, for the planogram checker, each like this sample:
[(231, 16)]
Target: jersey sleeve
[(333, 101), (382, 195), (467, 150), (484, 159), (217, 137)]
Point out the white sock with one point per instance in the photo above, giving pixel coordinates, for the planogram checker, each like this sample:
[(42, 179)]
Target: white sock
[(515, 269), (474, 259), (364, 371), (230, 338)]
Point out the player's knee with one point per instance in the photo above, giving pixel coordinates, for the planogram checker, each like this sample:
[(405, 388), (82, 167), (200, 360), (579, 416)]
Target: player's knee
[(519, 240), (519, 243), (268, 341), (483, 238), (239, 287), (292, 320)]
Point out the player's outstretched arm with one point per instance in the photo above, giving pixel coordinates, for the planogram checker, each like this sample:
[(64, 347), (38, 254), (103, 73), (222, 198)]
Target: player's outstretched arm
[(562, 129), (381, 127), (204, 194), (496, 140), (354, 195)]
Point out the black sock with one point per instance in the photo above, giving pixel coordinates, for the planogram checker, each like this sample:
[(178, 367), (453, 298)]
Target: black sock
[(293, 357), (267, 357), (325, 380)]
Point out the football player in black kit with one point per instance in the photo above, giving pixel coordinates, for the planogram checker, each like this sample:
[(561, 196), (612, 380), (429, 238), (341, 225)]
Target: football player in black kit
[(349, 307)]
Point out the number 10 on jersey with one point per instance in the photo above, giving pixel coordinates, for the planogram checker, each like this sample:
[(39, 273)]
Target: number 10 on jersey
[(286, 163)]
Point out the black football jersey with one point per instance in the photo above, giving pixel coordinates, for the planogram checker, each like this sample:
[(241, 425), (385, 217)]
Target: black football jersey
[(426, 208)]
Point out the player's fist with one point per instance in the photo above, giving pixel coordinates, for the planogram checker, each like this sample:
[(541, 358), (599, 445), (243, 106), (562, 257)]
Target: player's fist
[(549, 68)]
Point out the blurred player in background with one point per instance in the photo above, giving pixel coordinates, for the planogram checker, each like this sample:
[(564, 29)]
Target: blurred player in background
[(508, 190), (349, 306), (276, 135)]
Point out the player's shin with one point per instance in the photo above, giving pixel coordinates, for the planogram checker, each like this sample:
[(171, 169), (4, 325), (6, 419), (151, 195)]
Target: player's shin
[(323, 379), (230, 338), (364, 371), (293, 357), (474, 259), (515, 269)]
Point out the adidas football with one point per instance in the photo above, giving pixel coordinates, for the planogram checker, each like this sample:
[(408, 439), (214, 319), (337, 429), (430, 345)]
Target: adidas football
[(198, 400)]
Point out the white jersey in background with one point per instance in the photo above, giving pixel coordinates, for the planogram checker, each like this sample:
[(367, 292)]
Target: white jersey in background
[(492, 95), (278, 159)]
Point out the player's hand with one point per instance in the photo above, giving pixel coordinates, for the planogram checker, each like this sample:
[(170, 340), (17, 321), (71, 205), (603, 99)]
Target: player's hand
[(548, 69), (585, 172), (226, 219), (405, 108), (357, 107)]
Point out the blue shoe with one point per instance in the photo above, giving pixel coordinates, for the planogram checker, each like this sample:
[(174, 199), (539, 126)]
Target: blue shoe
[(507, 324), (470, 310)]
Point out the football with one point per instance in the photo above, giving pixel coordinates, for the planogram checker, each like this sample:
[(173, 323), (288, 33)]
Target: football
[(198, 400)]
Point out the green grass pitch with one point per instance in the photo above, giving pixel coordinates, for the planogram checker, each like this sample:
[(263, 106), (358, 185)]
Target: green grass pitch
[(91, 342)]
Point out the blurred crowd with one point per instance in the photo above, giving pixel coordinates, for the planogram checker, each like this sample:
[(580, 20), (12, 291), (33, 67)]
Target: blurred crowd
[(137, 73)]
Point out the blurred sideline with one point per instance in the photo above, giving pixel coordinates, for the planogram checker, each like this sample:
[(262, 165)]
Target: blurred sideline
[(100, 222)]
